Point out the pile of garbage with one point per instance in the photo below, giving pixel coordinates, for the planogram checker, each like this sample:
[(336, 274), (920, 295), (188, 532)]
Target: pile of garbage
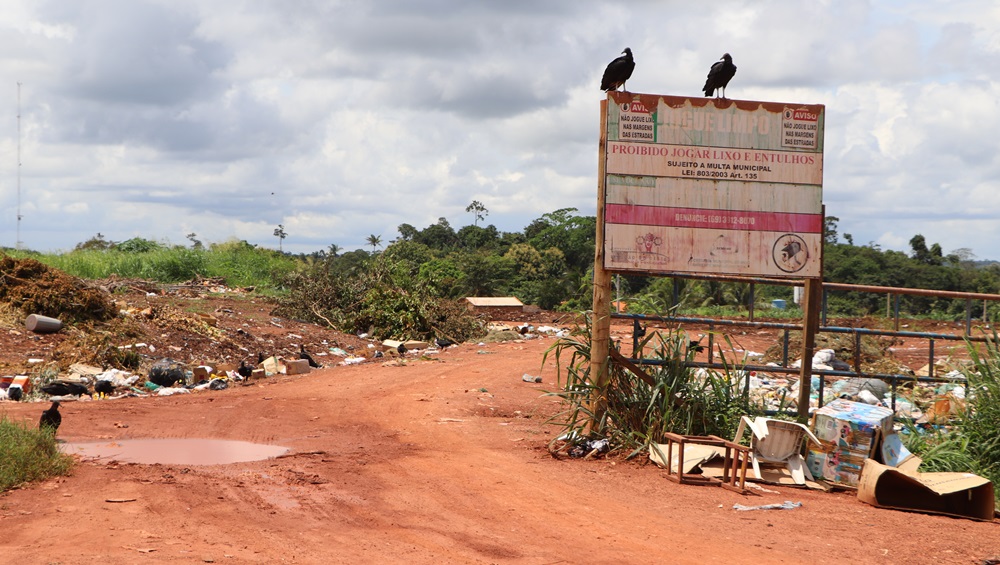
[(165, 377), (168, 376), (923, 402)]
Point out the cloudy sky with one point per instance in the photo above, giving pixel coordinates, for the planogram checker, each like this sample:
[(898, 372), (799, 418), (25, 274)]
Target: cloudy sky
[(341, 119)]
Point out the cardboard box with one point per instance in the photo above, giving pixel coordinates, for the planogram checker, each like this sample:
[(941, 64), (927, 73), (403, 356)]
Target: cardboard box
[(848, 433), (24, 382), (272, 366), (837, 465), (893, 453), (962, 495), (297, 367)]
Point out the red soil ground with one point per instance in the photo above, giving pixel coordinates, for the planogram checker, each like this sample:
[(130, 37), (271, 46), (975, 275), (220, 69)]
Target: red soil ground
[(425, 461)]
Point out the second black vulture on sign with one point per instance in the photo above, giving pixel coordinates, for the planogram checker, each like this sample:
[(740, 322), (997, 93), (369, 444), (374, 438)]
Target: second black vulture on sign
[(719, 76), (618, 71)]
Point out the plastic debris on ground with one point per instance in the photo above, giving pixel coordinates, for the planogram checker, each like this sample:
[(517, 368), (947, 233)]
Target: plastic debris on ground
[(118, 378), (590, 448), (786, 505)]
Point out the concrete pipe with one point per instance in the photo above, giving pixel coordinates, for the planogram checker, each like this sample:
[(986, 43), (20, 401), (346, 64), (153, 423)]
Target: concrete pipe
[(42, 324)]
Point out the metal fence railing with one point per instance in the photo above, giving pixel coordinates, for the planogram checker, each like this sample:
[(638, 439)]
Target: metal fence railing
[(893, 379)]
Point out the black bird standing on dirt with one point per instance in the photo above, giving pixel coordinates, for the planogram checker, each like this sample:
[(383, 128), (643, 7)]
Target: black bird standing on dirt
[(104, 387), (443, 342), (307, 357), (618, 71), (401, 349), (244, 370), (51, 418), (719, 76)]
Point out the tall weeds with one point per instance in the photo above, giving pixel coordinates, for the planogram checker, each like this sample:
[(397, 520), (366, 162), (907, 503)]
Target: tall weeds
[(239, 263), (682, 400), (971, 443), (28, 454)]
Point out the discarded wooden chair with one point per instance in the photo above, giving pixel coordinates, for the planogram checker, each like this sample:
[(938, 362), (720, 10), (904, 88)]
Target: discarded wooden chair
[(735, 462), (777, 441)]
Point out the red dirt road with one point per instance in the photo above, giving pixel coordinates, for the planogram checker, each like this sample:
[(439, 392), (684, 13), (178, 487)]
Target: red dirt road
[(414, 463)]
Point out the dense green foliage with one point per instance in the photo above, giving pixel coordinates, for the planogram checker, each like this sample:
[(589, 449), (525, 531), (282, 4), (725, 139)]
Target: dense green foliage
[(28, 454), (843, 262), (549, 264), (381, 296)]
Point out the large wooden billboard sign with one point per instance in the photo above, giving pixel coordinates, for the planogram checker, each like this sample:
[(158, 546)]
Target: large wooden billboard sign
[(703, 185)]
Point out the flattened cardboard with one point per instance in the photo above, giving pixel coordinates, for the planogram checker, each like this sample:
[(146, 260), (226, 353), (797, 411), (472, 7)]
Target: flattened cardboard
[(694, 455), (962, 495)]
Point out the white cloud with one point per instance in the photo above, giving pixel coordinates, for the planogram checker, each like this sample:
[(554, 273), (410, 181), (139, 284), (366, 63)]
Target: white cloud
[(340, 120)]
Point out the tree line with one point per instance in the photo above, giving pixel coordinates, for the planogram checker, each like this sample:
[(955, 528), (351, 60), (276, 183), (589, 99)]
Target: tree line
[(550, 264)]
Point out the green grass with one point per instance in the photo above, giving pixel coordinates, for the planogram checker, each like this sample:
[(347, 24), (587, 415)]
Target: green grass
[(27, 455), (239, 263)]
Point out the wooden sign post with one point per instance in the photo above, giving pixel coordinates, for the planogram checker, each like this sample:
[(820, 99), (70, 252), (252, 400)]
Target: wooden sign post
[(600, 337), (812, 302)]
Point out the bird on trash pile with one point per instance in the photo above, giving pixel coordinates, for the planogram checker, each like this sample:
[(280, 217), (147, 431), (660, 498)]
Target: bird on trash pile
[(307, 357), (719, 76), (64, 388), (401, 349), (618, 71), (104, 387), (244, 370), (443, 342), (51, 418)]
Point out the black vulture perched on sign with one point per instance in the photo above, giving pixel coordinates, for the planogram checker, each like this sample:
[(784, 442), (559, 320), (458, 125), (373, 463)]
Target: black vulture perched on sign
[(618, 71), (51, 418), (719, 76)]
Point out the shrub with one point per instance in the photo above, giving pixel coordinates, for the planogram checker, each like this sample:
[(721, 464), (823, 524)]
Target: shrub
[(682, 400), (378, 298)]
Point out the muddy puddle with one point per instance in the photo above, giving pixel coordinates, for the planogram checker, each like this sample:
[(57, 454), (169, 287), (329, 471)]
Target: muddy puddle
[(174, 451)]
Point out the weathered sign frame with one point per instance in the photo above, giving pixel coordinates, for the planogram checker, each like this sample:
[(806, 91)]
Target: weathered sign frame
[(707, 186)]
